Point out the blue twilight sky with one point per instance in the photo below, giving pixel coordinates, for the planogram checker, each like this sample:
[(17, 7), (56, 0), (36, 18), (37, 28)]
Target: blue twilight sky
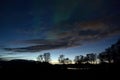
[(70, 27)]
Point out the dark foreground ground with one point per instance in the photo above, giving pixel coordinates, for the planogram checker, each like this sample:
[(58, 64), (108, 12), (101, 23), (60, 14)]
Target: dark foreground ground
[(42, 71)]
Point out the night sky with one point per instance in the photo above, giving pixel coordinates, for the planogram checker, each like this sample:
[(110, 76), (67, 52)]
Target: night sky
[(70, 27)]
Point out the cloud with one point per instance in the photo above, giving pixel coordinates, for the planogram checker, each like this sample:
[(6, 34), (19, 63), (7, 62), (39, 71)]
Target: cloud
[(8, 58), (75, 34), (41, 45), (101, 28)]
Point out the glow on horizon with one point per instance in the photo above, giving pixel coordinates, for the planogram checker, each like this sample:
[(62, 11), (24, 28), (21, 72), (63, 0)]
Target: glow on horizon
[(94, 47)]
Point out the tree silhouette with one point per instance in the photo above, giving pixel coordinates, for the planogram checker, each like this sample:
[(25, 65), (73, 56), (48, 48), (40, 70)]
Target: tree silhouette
[(100, 57), (111, 54), (64, 60), (115, 52), (40, 58), (91, 58), (106, 56), (67, 61), (79, 59), (76, 60), (61, 59), (46, 57)]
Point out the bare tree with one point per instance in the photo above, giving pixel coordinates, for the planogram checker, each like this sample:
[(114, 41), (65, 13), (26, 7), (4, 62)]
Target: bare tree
[(67, 61), (79, 59), (102, 57), (91, 57), (61, 59), (76, 60), (46, 57), (40, 58), (111, 54)]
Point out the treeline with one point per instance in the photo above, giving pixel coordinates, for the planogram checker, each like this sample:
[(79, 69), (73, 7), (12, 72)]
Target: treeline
[(110, 55)]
